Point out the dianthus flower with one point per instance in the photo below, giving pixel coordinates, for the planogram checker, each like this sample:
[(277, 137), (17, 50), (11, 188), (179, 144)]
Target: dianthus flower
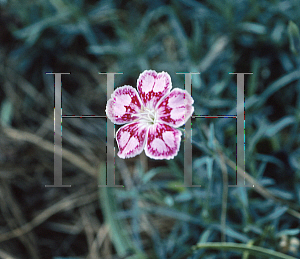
[(152, 116)]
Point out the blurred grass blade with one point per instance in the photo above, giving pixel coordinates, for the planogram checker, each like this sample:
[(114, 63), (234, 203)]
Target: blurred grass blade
[(288, 232), (279, 125), (294, 37), (120, 237), (6, 112), (204, 236), (32, 32), (236, 235), (254, 250), (279, 211), (277, 85)]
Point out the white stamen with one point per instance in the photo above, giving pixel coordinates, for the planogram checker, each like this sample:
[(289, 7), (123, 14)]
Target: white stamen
[(145, 116)]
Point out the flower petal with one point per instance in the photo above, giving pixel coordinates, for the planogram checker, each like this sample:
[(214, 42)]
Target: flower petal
[(131, 139), (123, 104), (176, 108), (163, 141), (152, 87)]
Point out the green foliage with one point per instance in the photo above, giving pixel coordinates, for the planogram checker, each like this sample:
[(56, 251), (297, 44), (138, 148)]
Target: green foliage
[(294, 37)]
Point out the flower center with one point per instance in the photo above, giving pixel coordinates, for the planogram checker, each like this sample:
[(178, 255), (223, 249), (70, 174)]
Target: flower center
[(146, 116)]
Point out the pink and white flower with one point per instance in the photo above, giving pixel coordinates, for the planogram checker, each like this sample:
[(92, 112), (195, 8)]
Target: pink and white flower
[(152, 116)]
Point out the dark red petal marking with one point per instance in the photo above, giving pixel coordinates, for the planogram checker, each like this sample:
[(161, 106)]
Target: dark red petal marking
[(131, 139), (152, 87), (163, 141), (123, 104), (175, 108)]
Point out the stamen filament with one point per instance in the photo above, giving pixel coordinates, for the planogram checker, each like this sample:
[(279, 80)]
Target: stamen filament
[(145, 116)]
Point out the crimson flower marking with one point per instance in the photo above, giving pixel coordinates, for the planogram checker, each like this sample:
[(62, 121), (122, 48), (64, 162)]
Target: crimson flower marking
[(152, 116)]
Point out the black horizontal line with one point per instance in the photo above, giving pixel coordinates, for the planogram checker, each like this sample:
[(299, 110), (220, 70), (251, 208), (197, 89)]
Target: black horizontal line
[(214, 116), (82, 116)]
